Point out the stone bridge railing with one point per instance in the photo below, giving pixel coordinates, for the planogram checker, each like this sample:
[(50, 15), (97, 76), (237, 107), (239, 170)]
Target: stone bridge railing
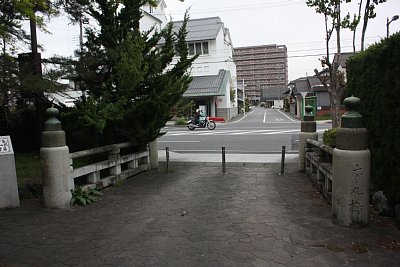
[(341, 174), (318, 166), (116, 168), (59, 174)]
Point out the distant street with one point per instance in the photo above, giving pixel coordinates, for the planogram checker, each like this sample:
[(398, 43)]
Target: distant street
[(260, 131)]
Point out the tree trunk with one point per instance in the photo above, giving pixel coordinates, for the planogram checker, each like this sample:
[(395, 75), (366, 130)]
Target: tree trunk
[(364, 28), (355, 28), (335, 84), (335, 110)]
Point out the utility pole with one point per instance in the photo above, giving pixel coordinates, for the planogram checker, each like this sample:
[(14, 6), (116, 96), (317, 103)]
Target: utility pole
[(80, 35), (82, 21), (32, 23), (244, 101)]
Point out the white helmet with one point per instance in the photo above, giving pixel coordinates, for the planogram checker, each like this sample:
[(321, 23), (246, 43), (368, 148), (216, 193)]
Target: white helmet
[(197, 110)]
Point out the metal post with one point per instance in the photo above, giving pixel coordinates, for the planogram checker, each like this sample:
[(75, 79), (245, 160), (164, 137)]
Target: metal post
[(167, 157), (244, 100), (283, 160), (223, 160)]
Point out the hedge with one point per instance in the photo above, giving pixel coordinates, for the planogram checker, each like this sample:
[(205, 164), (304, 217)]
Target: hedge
[(374, 77)]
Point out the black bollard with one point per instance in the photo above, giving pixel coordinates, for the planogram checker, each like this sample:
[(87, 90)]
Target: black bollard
[(223, 160), (167, 157), (283, 160)]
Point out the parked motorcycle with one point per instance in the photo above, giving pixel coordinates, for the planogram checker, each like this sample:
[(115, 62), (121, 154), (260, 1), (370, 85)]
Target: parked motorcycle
[(203, 122)]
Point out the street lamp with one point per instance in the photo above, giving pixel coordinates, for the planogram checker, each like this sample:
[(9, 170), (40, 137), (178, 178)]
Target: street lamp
[(395, 17)]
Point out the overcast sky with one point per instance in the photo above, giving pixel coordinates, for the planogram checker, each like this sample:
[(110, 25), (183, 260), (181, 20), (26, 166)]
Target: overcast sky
[(255, 22)]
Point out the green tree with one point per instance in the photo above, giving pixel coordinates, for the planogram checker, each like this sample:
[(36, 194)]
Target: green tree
[(334, 23), (331, 9), (131, 88)]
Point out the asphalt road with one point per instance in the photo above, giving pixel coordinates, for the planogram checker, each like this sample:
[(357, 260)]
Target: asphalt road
[(260, 131)]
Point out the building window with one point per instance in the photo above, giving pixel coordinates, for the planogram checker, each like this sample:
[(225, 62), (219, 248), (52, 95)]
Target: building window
[(191, 49), (151, 9), (198, 48), (205, 48)]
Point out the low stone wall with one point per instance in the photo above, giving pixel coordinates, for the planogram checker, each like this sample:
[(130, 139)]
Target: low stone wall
[(227, 113)]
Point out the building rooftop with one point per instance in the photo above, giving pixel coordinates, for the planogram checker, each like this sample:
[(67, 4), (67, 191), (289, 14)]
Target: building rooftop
[(201, 29), (261, 46), (343, 59), (212, 85)]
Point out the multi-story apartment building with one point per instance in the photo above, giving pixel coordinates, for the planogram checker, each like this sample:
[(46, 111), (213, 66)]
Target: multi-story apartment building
[(263, 72)]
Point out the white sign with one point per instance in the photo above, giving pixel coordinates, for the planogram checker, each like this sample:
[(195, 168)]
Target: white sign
[(5, 145)]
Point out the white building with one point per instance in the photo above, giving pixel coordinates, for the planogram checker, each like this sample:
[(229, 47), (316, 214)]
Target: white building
[(153, 16), (214, 71), (214, 87)]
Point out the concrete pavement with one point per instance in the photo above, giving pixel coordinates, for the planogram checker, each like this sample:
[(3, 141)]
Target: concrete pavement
[(196, 216), (230, 158)]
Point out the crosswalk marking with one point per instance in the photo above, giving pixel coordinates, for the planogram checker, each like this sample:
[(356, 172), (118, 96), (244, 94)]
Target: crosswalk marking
[(233, 132)]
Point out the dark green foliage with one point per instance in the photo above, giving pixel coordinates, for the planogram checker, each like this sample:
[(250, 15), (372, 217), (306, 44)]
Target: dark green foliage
[(131, 92), (329, 137), (83, 197), (373, 76), (181, 121)]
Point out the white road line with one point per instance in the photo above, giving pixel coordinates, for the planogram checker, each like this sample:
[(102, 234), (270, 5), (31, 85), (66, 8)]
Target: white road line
[(286, 115), (282, 132), (255, 131), (178, 141), (237, 132), (215, 132), (241, 118), (265, 115)]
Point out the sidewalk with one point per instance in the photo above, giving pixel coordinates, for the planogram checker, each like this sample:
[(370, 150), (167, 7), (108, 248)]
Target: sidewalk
[(196, 216), (215, 159)]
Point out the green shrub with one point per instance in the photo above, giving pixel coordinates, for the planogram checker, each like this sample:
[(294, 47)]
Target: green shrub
[(373, 76), (83, 197), (181, 121), (329, 137)]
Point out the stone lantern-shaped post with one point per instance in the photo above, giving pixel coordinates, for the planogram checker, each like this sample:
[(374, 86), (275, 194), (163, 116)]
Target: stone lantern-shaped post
[(308, 130), (54, 157), (351, 169)]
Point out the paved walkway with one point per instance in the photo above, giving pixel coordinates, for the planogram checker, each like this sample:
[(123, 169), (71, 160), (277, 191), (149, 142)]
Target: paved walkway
[(230, 159), (195, 216)]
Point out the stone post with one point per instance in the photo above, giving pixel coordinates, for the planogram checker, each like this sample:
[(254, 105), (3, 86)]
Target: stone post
[(308, 130), (54, 157), (153, 153), (9, 197), (351, 169)]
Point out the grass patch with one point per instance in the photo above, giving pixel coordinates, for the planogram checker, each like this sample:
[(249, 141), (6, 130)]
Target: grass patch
[(28, 168), (29, 175)]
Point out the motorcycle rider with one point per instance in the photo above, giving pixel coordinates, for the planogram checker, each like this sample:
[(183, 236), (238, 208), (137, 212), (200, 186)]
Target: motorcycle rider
[(199, 117)]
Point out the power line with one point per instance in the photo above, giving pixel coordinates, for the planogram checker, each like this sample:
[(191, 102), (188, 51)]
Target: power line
[(241, 8)]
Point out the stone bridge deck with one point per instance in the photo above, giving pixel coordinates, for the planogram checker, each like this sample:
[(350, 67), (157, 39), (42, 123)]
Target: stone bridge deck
[(195, 216)]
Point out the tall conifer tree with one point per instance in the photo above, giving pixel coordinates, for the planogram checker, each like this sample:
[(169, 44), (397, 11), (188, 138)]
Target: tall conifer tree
[(127, 73)]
